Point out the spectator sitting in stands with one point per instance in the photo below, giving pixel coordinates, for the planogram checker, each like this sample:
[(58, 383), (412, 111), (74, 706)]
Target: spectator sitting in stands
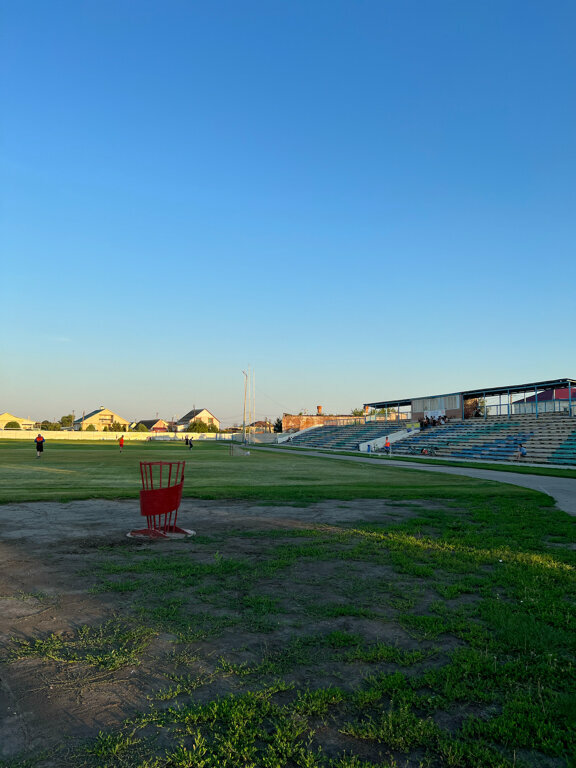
[(520, 453), (387, 446)]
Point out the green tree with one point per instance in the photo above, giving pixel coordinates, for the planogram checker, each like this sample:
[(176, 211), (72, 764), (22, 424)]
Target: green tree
[(278, 425), (199, 426), (357, 411), (12, 425), (90, 428), (50, 426), (474, 406), (67, 421), (141, 428)]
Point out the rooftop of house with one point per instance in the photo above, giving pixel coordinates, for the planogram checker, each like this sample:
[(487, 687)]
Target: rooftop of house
[(80, 419), (88, 415), (149, 423), (187, 418)]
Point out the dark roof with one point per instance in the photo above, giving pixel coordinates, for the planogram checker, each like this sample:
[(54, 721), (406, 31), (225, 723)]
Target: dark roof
[(187, 418), (88, 415), (514, 389), (510, 389), (559, 393), (80, 419), (150, 422)]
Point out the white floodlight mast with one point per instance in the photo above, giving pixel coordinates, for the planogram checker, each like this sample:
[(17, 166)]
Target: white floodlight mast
[(244, 413)]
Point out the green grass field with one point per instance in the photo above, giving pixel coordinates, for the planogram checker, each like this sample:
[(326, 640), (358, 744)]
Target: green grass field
[(441, 636), (69, 471)]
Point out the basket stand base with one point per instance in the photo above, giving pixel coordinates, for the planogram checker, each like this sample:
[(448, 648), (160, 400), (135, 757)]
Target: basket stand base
[(171, 532)]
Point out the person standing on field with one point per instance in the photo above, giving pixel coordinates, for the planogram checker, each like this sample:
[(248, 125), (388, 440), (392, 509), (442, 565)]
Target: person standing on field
[(121, 443), (39, 445)]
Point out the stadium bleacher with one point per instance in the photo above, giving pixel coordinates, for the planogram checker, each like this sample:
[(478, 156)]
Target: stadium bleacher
[(565, 453), (549, 438), (346, 438)]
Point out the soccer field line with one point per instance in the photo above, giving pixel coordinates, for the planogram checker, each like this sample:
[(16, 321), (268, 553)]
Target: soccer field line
[(36, 468)]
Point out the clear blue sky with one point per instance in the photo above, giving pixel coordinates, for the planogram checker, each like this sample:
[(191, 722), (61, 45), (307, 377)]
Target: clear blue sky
[(360, 199)]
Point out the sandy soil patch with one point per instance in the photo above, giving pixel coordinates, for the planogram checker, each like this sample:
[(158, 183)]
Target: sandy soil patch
[(46, 552)]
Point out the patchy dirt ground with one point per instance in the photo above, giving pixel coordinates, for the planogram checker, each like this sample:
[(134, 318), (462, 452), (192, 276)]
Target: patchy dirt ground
[(47, 551)]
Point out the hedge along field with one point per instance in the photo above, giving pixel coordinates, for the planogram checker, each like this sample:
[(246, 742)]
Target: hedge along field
[(442, 636)]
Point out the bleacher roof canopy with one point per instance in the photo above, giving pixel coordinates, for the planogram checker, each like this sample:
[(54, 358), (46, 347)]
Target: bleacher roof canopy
[(510, 389)]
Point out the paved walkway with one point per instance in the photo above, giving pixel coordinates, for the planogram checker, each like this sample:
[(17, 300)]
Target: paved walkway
[(562, 489)]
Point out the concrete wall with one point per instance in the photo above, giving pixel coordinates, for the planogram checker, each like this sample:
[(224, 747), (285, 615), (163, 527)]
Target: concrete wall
[(450, 405), (449, 413), (30, 434), (301, 422), (260, 437), (379, 442)]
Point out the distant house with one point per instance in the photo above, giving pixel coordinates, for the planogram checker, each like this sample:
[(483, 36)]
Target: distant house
[(198, 414), (6, 417), (101, 418), (154, 425), (262, 426)]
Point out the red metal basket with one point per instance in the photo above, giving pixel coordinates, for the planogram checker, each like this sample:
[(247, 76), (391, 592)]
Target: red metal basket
[(162, 483)]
